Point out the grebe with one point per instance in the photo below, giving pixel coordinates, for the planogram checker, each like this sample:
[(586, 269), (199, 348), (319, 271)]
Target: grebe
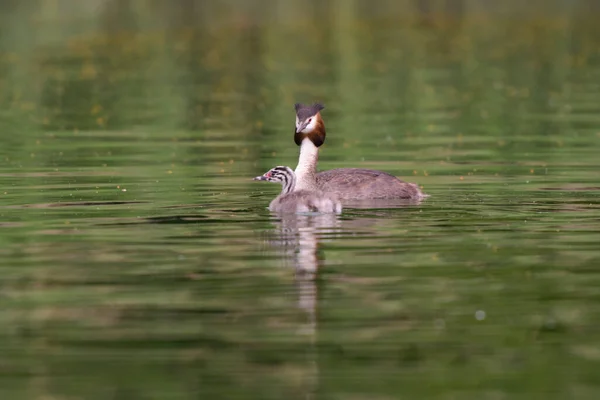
[(346, 183), (298, 201)]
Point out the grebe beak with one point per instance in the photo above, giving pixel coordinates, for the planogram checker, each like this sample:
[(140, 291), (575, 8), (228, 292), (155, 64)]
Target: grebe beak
[(260, 178), (301, 126)]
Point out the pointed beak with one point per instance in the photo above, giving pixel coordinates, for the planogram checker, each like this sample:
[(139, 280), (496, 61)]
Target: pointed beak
[(260, 178), (300, 127)]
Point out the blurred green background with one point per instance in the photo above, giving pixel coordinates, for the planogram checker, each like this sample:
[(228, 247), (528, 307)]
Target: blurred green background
[(138, 260)]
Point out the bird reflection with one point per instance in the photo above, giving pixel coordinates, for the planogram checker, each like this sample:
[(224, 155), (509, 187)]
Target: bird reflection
[(299, 235)]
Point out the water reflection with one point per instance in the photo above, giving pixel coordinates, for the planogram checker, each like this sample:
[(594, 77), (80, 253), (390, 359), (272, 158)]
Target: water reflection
[(162, 290), (299, 236)]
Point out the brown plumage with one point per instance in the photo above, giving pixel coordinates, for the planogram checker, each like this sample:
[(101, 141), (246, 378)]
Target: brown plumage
[(304, 114)]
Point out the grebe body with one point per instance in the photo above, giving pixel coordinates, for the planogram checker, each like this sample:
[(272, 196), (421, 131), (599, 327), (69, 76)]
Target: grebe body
[(346, 183)]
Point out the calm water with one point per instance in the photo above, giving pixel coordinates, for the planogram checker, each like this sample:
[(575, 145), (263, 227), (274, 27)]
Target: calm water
[(138, 258)]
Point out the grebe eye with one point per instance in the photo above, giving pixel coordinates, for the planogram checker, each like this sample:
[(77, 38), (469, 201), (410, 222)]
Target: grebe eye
[(309, 121)]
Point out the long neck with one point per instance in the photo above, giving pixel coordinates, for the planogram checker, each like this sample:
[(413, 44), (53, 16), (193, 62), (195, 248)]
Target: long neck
[(307, 166), (289, 183)]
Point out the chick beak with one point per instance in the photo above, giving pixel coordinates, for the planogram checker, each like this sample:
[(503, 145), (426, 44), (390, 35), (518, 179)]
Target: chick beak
[(260, 178)]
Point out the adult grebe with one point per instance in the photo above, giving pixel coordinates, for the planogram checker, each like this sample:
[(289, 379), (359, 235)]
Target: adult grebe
[(346, 183)]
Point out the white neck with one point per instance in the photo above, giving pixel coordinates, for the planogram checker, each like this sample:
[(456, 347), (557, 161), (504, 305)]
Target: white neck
[(307, 166)]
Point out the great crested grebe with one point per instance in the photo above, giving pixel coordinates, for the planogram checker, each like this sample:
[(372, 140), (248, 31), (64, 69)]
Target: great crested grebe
[(298, 201), (346, 183)]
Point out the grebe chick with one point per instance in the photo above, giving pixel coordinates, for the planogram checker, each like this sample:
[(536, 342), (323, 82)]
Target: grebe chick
[(300, 201), (346, 183)]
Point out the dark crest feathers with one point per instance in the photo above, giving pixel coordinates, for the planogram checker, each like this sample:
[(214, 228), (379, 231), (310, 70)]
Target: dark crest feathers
[(303, 111)]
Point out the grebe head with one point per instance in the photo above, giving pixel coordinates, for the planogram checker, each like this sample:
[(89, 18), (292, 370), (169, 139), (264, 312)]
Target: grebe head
[(281, 174), (309, 124)]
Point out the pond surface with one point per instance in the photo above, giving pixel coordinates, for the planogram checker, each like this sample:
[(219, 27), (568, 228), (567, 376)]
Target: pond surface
[(139, 260)]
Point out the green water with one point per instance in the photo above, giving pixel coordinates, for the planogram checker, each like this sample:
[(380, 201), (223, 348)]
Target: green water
[(139, 261)]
